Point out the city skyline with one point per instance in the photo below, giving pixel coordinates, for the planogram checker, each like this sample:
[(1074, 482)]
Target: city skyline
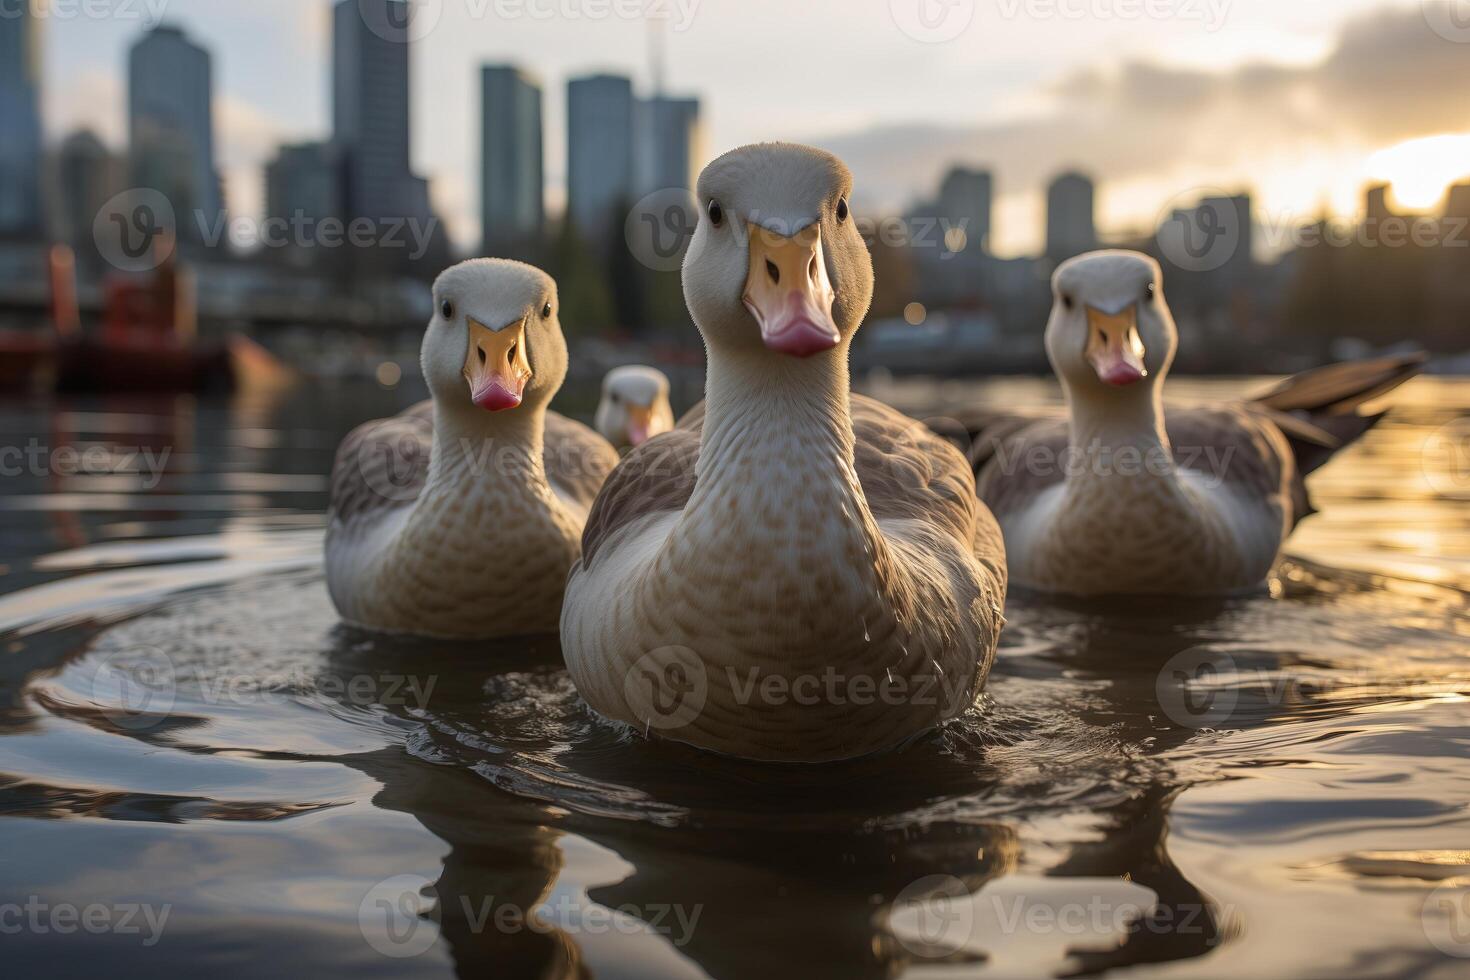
[(1010, 117)]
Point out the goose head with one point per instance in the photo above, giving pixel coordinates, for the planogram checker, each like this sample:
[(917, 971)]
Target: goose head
[(776, 265), (1110, 330), (494, 344), (634, 406)]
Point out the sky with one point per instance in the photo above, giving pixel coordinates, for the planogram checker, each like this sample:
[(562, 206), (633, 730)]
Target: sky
[(1301, 102)]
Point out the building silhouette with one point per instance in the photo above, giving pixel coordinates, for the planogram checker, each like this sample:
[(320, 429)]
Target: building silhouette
[(1070, 225), (512, 181), (303, 187), (964, 203), (20, 123), (370, 112), (670, 142), (87, 175), (171, 123), (600, 154)]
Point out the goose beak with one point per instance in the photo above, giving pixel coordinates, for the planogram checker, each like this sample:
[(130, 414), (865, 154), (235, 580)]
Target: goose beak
[(640, 424), (1114, 348), (496, 366), (788, 292)]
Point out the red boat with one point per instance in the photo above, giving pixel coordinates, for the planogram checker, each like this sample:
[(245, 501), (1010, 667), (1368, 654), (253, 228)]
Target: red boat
[(147, 340)]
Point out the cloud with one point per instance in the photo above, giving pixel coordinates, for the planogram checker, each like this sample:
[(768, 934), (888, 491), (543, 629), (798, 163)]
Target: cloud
[(1389, 77)]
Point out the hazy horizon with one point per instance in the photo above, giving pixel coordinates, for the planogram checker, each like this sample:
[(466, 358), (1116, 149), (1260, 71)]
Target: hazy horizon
[(1302, 106)]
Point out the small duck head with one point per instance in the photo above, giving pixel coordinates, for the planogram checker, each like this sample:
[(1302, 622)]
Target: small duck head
[(634, 407), (1110, 329), (495, 344), (776, 263)]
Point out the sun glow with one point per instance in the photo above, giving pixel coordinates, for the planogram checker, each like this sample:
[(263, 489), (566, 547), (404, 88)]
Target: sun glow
[(1420, 170)]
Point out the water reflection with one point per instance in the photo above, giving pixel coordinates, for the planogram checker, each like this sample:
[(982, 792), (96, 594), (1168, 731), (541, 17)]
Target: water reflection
[(183, 722)]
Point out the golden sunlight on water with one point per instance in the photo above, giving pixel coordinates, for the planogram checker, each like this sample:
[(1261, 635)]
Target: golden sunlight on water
[(1272, 785)]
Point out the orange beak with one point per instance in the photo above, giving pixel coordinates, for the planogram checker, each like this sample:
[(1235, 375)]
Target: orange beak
[(496, 366), (640, 423), (788, 292), (1114, 348)]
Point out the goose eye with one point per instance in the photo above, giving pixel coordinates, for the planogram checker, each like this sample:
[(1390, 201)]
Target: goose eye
[(546, 312), (1149, 291), (716, 214), (1067, 301), (615, 398), (841, 210), (447, 308)]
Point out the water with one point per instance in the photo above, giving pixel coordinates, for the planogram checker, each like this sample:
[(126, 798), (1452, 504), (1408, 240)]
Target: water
[(204, 773)]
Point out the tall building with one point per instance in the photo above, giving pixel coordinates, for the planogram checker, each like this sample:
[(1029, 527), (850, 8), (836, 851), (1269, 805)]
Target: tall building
[(512, 186), (20, 123), (964, 203), (370, 111), (171, 121), (670, 144), (303, 187), (600, 161), (1457, 203), (87, 175), (1376, 207), (1070, 227), (1231, 216)]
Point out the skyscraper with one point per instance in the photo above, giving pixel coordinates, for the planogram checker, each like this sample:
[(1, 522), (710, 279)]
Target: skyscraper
[(370, 110), (20, 123), (303, 187), (670, 144), (600, 163), (87, 175), (171, 121), (964, 202), (512, 205), (1070, 229)]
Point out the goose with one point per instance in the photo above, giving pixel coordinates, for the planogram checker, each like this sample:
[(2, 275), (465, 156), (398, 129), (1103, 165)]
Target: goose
[(634, 406), (792, 573), (1121, 498), (460, 517)]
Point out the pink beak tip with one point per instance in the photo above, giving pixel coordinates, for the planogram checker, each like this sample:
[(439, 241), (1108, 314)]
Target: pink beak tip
[(803, 337), (1121, 375), (495, 397)]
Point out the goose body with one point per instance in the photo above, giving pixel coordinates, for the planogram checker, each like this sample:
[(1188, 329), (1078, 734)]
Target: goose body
[(793, 572), (461, 516), (1122, 497)]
